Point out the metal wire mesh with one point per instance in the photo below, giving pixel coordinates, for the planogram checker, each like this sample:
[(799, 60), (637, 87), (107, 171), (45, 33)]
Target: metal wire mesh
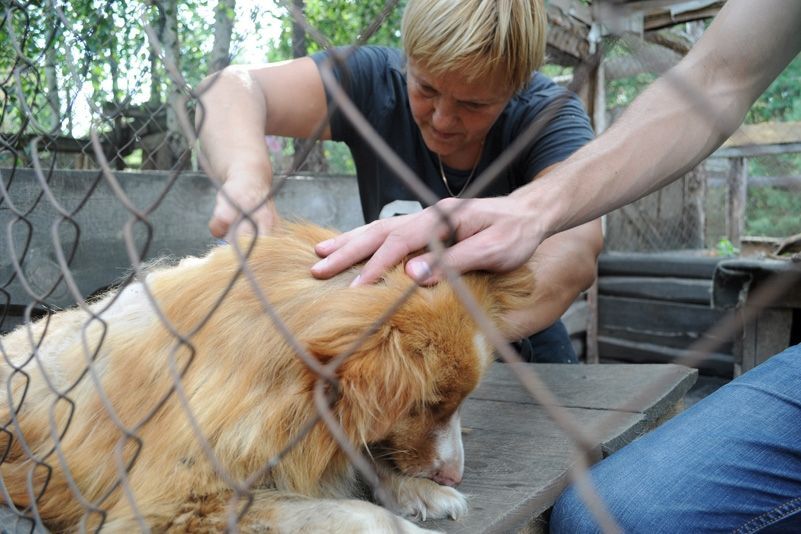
[(99, 87)]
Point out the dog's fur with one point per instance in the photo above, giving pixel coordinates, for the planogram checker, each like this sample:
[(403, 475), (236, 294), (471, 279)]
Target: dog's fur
[(249, 393)]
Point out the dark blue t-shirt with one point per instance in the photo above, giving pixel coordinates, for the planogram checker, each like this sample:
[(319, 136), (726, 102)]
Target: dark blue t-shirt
[(375, 80)]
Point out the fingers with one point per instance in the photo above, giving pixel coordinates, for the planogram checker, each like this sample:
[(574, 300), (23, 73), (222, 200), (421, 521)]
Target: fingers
[(345, 250), (386, 243), (376, 239), (229, 221), (491, 237), (224, 215), (479, 252), (388, 254)]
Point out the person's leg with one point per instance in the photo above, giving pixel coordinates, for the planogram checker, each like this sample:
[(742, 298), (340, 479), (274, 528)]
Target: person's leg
[(731, 463), (551, 345)]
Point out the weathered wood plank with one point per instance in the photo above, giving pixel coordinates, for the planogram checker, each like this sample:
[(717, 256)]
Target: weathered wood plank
[(653, 316), (751, 151), (737, 199), (596, 387), (518, 459), (765, 133), (679, 265), (673, 341), (694, 291), (626, 350), (765, 336)]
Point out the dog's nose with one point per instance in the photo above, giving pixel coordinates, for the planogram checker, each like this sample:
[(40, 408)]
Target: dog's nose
[(447, 477)]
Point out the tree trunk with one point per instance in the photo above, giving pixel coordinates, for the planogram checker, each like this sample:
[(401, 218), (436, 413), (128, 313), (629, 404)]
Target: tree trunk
[(224, 16), (169, 41), (315, 161), (299, 47), (53, 98), (155, 71)]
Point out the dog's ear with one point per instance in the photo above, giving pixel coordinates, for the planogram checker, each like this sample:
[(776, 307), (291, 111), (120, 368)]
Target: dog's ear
[(378, 381), (511, 291), (500, 293)]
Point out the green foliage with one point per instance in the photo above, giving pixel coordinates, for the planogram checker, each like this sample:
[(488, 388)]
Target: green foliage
[(773, 212), (24, 37), (726, 248), (341, 22), (554, 71), (621, 92), (339, 158), (770, 212), (781, 101), (95, 49)]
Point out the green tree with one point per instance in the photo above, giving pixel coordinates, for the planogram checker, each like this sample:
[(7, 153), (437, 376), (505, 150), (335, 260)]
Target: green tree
[(342, 22)]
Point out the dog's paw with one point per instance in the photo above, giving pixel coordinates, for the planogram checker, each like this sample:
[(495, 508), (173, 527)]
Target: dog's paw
[(423, 499)]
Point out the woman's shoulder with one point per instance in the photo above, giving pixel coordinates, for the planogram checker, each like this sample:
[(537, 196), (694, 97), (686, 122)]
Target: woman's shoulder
[(364, 57)]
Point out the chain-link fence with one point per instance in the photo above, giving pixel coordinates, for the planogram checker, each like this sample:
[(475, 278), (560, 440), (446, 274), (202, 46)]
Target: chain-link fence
[(108, 91)]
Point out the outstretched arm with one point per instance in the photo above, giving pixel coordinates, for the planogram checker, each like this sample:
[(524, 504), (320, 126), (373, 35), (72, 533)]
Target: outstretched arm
[(238, 107), (680, 119)]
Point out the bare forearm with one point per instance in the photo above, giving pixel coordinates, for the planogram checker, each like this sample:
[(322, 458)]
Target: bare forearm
[(677, 121), (231, 123)]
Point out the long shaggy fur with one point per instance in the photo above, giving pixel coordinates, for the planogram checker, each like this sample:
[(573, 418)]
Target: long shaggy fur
[(113, 445)]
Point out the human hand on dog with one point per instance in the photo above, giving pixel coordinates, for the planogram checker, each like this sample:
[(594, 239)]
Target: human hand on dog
[(494, 234), (241, 197)]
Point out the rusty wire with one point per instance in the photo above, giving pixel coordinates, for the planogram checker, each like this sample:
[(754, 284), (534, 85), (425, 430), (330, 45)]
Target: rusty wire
[(325, 388)]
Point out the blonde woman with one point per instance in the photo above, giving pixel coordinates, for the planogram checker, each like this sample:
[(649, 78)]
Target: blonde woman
[(463, 88)]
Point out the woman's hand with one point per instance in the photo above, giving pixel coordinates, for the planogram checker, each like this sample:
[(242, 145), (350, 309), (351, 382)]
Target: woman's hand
[(494, 234), (243, 193)]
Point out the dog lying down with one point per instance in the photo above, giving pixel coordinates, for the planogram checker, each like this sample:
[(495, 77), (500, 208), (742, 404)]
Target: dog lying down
[(65, 457)]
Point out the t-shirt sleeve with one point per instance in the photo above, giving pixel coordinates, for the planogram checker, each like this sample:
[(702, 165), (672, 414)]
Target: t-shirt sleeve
[(564, 127), (365, 75)]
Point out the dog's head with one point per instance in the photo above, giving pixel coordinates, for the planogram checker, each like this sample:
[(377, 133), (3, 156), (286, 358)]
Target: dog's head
[(402, 387)]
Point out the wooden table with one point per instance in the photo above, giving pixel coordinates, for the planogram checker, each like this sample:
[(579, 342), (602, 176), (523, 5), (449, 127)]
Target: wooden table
[(517, 459)]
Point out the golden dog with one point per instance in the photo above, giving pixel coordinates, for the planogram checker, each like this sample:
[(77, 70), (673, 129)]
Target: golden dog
[(114, 445)]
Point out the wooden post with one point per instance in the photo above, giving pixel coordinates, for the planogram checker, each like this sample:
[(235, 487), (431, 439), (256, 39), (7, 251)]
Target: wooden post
[(597, 108), (694, 183), (738, 187)]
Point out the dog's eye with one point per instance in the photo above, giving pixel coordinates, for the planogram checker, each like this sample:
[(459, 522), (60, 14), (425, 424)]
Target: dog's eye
[(425, 408), (437, 409)]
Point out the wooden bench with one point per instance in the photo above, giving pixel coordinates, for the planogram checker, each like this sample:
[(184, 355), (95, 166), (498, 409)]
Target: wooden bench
[(517, 459)]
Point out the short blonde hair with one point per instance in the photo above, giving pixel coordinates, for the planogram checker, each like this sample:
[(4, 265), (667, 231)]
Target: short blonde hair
[(477, 37)]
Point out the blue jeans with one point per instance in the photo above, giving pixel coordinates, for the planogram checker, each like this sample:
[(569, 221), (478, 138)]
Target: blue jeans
[(551, 345), (731, 463)]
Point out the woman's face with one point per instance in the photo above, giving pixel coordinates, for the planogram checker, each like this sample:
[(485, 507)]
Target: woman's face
[(454, 115)]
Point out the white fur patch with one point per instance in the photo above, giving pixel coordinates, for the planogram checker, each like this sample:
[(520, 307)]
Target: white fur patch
[(345, 516), (424, 499), (131, 310), (448, 446), (485, 353)]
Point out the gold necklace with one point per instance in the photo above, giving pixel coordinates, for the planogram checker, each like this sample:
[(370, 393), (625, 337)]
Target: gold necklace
[(467, 182)]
